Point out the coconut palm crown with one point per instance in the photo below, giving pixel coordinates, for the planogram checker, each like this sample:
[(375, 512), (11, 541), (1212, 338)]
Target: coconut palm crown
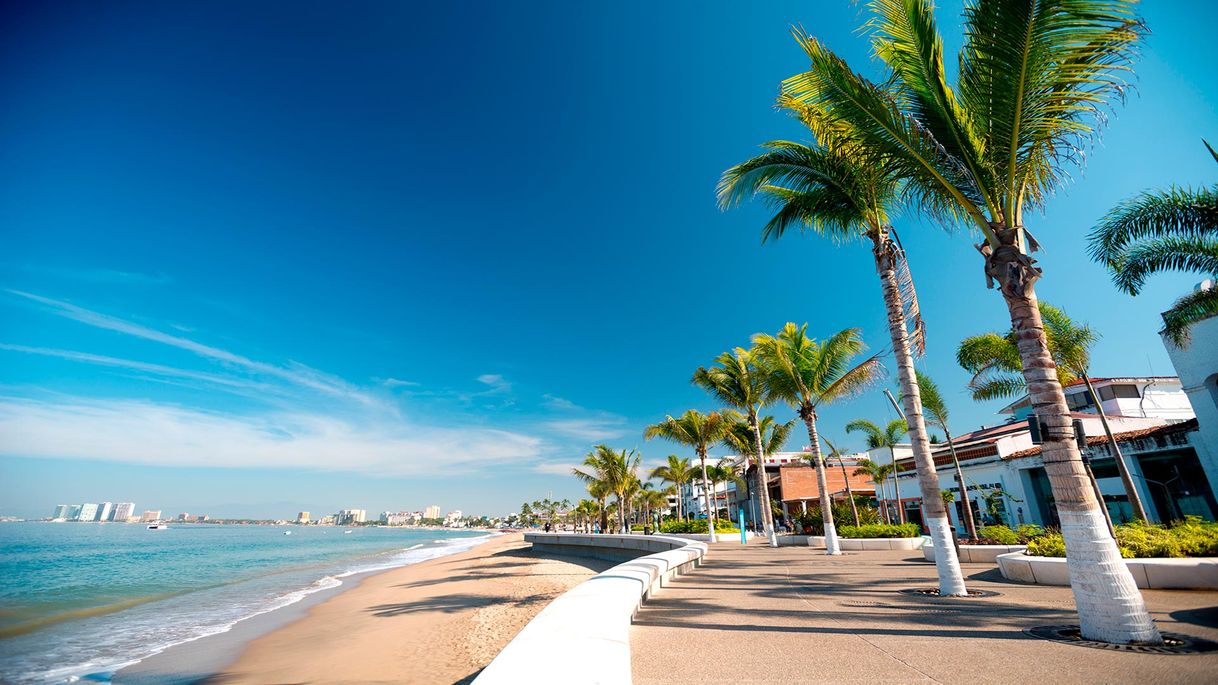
[(1164, 230)]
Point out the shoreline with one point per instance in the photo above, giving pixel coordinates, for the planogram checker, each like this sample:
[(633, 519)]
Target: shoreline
[(202, 655), (439, 620)]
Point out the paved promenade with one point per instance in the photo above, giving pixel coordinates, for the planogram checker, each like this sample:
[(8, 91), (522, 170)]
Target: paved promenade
[(794, 615)]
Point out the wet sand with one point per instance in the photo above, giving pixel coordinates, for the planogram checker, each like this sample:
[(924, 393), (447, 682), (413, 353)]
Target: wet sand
[(439, 621)]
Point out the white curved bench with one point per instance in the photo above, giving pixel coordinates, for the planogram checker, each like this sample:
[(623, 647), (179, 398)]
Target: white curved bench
[(1192, 573), (583, 636)]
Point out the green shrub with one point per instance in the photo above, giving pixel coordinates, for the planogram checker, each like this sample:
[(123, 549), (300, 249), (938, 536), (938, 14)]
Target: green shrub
[(696, 527), (998, 535), (880, 530), (1190, 538), (811, 523), (1047, 545), (1029, 531)]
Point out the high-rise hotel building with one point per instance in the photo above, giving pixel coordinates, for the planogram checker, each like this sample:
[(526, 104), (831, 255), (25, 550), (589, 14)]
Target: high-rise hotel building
[(124, 511)]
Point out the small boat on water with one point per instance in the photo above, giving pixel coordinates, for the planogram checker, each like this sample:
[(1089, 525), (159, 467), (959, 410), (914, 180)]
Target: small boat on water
[(346, 532), (158, 526), (287, 532)]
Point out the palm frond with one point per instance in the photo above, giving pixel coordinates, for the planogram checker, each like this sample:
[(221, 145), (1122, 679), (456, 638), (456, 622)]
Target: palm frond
[(1192, 254), (843, 100), (904, 35), (1175, 213), (934, 407), (1187, 311), (1036, 76)]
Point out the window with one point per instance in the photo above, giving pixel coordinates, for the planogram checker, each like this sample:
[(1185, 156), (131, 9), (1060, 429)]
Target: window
[(1078, 400), (1109, 392)]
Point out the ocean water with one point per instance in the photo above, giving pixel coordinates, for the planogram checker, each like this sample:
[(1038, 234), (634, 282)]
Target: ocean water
[(82, 600)]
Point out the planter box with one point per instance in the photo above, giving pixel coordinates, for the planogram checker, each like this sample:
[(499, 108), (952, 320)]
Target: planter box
[(869, 544), (1198, 573), (976, 554)]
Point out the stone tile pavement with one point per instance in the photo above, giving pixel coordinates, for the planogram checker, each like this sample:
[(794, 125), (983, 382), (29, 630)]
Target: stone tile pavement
[(793, 615)]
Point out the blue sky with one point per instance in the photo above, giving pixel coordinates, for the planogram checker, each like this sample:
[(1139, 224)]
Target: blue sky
[(295, 256)]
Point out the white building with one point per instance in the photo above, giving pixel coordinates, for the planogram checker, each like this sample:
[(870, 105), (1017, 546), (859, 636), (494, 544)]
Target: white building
[(61, 512), (123, 511), (348, 517), (106, 511), (150, 516), (73, 512), (453, 519), (88, 512), (1151, 422), (1197, 365), (432, 512)]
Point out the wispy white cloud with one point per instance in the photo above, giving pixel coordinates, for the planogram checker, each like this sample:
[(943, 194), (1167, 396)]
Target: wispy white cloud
[(560, 404), (295, 373), (397, 383), (498, 384), (158, 369), (591, 429), (148, 433), (556, 468)]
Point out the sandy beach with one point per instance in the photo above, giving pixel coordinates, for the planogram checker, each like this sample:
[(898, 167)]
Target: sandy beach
[(439, 621)]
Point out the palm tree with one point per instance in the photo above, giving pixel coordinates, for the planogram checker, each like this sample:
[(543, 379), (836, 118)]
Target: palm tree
[(736, 381), (935, 409), (996, 366), (678, 472), (615, 471), (839, 190), (652, 498), (724, 471), (1164, 230), (835, 452), (740, 438), (1035, 77), (888, 437), (878, 473), (699, 431), (806, 374)]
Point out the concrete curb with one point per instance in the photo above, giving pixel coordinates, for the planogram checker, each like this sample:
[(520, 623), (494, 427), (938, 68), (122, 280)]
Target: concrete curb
[(1198, 573), (870, 544), (583, 635), (976, 554)]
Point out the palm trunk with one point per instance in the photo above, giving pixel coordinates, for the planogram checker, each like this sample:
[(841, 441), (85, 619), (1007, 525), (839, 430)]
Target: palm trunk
[(969, 524), (1135, 500), (934, 515), (767, 515), (710, 522), (1110, 607), (896, 485), (854, 510), (808, 414)]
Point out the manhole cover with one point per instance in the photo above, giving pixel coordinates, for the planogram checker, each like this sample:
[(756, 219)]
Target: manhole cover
[(1173, 643), (934, 592)]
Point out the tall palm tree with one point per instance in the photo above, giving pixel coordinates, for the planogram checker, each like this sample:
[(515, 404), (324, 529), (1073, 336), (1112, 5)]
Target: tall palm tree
[(614, 470), (736, 381), (888, 437), (678, 472), (934, 407), (1164, 230), (1034, 80), (878, 473), (839, 190), (740, 439), (835, 452), (806, 374), (996, 366), (724, 471), (699, 431)]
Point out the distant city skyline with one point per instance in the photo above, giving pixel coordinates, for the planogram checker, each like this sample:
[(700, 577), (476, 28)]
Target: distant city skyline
[(305, 273)]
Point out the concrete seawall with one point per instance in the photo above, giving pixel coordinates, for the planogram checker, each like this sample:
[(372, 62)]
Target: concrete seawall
[(583, 635)]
